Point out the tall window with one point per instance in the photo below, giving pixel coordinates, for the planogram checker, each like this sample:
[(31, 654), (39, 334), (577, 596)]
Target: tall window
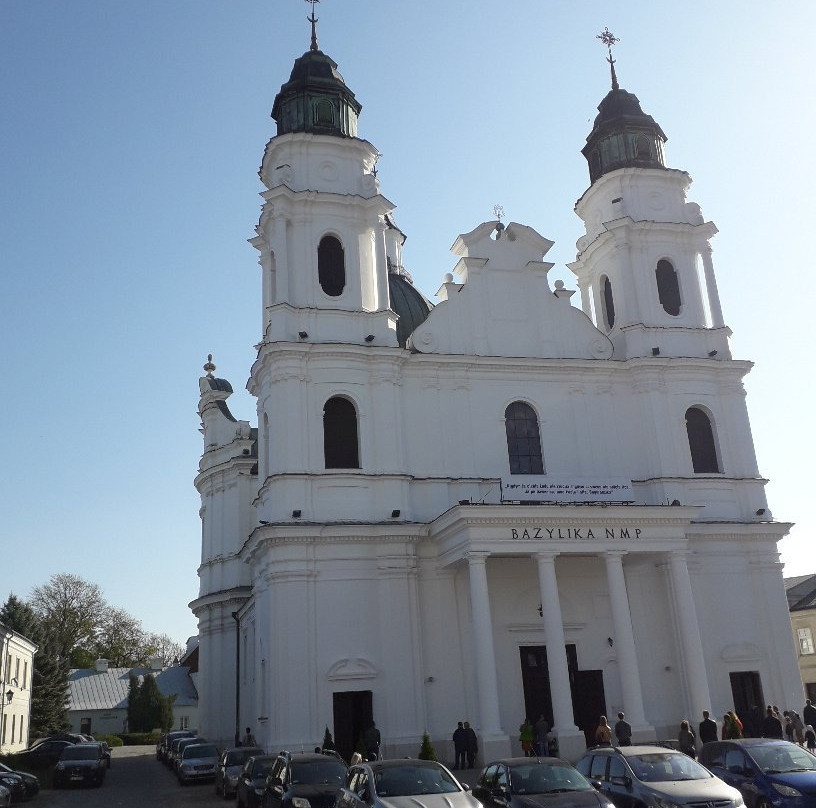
[(331, 266), (701, 442), (523, 439), (608, 302), (668, 288), (340, 446)]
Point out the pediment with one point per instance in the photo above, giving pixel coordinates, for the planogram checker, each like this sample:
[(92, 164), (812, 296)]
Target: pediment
[(355, 668), (741, 652)]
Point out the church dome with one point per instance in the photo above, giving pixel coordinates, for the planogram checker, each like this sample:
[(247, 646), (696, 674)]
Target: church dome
[(622, 136), (407, 302), (316, 99)]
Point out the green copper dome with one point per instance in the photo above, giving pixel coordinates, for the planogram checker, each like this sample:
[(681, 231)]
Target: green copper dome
[(316, 99), (407, 302)]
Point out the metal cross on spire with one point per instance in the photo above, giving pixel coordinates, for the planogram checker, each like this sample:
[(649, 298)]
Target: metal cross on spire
[(313, 20), (609, 39)]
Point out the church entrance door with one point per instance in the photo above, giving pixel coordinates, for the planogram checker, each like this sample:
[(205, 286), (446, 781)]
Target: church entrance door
[(353, 714), (746, 688), (588, 701)]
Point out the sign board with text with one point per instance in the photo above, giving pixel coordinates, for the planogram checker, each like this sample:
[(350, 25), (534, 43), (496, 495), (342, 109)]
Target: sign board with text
[(546, 488)]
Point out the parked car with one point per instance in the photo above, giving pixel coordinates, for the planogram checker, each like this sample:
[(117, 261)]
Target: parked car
[(80, 763), (43, 754), (178, 747), (383, 783), (198, 761), (526, 782), (294, 779), (13, 783), (166, 740), (5, 797), (229, 767), (766, 771), (250, 787), (655, 776), (31, 783)]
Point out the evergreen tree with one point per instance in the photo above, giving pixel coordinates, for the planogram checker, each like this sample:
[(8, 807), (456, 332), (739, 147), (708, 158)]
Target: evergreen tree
[(49, 676), (134, 705), (147, 708), (328, 741), (427, 751)]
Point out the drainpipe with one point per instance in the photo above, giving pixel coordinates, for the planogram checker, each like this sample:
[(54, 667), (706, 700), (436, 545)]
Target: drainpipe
[(237, 620)]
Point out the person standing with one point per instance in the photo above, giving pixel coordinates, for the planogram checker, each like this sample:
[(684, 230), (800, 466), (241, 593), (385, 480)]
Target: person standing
[(542, 728), (809, 714), (623, 731), (798, 727), (603, 733), (708, 728), (686, 740), (526, 737), (472, 747), (810, 739), (371, 740), (460, 741), (248, 739), (771, 725)]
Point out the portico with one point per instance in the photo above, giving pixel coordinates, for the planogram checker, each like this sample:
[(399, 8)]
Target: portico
[(478, 535)]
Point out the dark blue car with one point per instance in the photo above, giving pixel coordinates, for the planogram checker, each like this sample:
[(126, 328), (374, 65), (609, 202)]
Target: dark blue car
[(768, 773)]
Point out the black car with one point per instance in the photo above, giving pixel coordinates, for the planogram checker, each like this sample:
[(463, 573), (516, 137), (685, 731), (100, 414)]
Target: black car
[(297, 778), (80, 763), (166, 741), (249, 790), (526, 782), (43, 754), (30, 782), (14, 783)]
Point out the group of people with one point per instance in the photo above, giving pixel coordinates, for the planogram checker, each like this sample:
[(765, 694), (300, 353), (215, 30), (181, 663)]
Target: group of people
[(465, 745), (536, 739), (774, 724)]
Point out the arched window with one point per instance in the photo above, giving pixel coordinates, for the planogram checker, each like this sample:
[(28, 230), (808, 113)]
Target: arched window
[(668, 288), (643, 149), (324, 113), (331, 266), (701, 442), (523, 439), (608, 302), (340, 447)]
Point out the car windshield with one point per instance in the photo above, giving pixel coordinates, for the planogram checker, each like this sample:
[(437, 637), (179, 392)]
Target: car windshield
[(315, 772), (404, 781), (237, 757), (542, 778), (260, 768), (660, 767), (205, 750), (777, 758), (80, 753)]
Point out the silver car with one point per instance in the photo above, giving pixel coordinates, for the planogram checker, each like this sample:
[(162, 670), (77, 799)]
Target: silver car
[(404, 783), (632, 776), (198, 761), (229, 767)]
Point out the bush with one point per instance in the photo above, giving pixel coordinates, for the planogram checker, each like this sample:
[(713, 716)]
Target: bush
[(139, 738), (111, 740), (426, 751)]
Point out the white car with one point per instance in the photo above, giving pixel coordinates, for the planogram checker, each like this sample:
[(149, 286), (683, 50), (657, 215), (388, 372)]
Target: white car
[(198, 761), (404, 783)]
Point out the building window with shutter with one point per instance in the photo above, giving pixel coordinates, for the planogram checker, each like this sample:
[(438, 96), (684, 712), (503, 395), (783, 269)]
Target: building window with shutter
[(523, 439)]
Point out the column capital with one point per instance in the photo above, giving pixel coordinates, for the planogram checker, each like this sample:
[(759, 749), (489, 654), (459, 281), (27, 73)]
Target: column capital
[(618, 555), (476, 557), (546, 555)]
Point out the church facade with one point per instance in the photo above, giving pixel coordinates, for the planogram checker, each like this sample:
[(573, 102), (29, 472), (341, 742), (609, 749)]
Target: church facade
[(493, 508)]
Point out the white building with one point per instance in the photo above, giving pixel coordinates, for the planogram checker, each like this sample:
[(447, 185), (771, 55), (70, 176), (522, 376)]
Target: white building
[(16, 670), (373, 549)]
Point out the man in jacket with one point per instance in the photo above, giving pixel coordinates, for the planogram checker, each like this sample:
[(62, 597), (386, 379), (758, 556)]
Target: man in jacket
[(708, 728)]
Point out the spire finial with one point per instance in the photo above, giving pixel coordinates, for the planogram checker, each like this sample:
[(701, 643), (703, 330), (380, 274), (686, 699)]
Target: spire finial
[(609, 39), (313, 20), (209, 366)]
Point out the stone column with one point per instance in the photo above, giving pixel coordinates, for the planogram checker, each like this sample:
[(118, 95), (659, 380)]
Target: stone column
[(699, 698), (624, 640), (560, 691), (486, 678)]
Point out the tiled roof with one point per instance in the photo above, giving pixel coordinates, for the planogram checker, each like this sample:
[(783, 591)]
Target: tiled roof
[(90, 689)]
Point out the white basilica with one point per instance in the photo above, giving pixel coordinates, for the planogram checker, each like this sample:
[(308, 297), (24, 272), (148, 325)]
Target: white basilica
[(499, 506)]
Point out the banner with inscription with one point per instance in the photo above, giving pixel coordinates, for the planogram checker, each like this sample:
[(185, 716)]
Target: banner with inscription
[(541, 488)]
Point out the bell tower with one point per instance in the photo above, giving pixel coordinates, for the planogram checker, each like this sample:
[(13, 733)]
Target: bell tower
[(644, 266), (321, 234)]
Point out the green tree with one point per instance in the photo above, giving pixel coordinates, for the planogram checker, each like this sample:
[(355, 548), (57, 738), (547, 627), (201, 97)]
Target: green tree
[(426, 751), (49, 676), (328, 741), (147, 708)]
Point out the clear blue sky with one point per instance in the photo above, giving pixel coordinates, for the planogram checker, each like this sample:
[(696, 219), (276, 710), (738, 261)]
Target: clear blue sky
[(131, 135)]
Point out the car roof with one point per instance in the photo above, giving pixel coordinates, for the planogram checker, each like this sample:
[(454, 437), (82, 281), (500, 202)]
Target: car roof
[(521, 761), (309, 756), (379, 765), (633, 751)]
